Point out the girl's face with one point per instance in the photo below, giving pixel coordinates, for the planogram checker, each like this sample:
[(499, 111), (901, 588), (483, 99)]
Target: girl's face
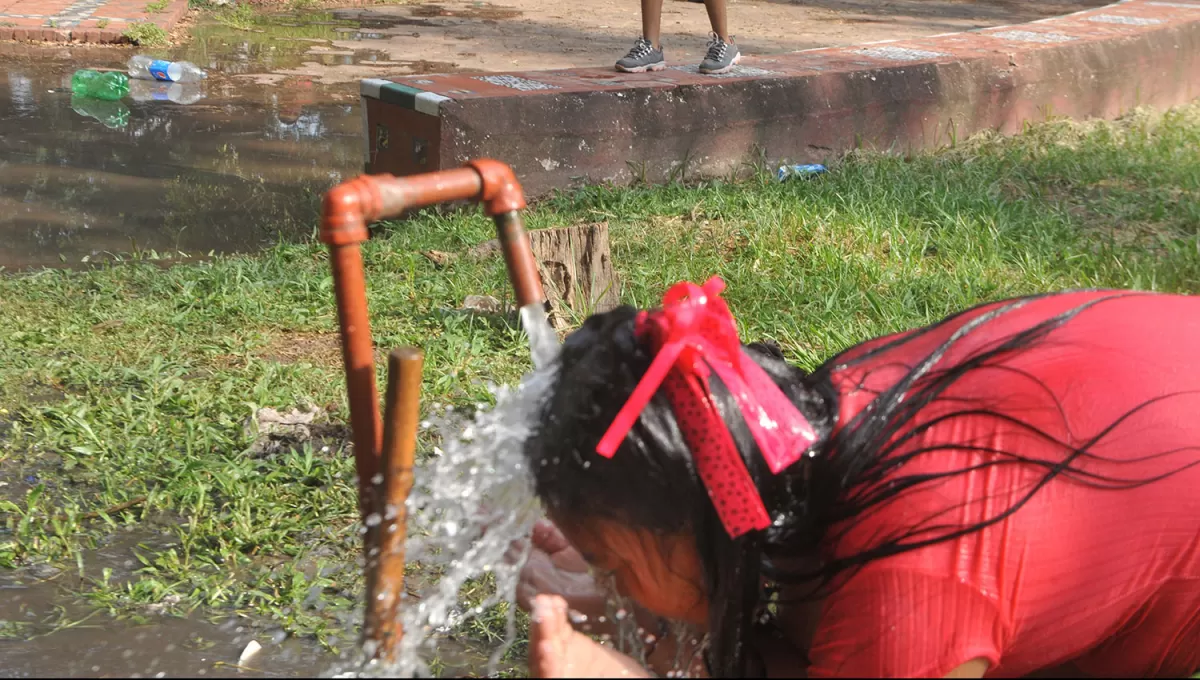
[(661, 573)]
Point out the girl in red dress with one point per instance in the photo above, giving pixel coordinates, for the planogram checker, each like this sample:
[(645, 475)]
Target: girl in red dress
[(1012, 490)]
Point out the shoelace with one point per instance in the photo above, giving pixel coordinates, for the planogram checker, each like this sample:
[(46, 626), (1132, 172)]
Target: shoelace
[(716, 49), (640, 49)]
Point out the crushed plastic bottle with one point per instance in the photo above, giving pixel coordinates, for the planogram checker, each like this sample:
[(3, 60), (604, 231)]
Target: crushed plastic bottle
[(178, 93), (804, 171), (107, 85), (112, 114), (143, 67)]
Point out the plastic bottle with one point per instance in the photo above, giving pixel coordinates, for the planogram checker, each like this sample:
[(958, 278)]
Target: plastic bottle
[(106, 85), (805, 171), (148, 68), (113, 114), (179, 93)]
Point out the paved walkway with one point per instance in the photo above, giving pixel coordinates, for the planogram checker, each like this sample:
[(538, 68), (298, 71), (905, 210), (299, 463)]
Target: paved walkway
[(82, 20)]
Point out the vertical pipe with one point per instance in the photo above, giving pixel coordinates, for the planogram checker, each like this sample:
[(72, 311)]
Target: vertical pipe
[(348, 209), (385, 580), (358, 356), (518, 259)]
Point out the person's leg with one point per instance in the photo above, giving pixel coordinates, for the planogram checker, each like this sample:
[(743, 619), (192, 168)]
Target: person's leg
[(652, 21), (722, 52), (717, 16), (647, 53)]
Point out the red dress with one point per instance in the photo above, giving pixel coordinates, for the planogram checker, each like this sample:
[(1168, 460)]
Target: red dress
[(1106, 577)]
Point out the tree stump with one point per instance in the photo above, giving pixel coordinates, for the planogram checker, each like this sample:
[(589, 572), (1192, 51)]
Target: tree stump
[(575, 264)]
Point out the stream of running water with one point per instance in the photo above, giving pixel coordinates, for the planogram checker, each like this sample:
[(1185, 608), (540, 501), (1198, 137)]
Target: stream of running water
[(465, 511)]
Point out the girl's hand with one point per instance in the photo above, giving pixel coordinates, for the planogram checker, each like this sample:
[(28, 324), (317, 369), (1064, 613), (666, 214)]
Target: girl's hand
[(556, 650), (554, 567)]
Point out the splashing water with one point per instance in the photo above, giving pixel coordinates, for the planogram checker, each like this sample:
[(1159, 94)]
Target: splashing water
[(468, 506), (543, 342)]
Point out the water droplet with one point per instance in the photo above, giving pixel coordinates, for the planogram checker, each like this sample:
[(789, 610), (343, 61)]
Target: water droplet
[(377, 479), (373, 519)]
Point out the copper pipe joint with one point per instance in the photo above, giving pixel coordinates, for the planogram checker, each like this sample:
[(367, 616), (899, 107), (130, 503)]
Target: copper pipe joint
[(347, 210)]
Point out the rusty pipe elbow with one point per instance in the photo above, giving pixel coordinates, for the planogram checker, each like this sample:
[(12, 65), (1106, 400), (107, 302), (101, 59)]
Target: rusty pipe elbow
[(347, 209), (501, 192)]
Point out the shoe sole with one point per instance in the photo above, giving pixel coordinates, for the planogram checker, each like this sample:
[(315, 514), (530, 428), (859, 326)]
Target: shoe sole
[(643, 69), (727, 69)]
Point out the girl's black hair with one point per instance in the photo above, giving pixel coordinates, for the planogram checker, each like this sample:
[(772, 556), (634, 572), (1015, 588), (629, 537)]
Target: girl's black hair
[(651, 483)]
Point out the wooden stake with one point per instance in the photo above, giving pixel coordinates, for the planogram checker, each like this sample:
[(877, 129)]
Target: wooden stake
[(385, 570)]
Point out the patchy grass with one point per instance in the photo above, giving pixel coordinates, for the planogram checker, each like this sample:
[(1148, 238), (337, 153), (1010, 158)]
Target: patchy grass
[(130, 380), (146, 34)]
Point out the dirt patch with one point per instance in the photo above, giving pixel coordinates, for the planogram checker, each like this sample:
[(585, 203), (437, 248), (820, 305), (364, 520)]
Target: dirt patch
[(274, 432), (320, 349)]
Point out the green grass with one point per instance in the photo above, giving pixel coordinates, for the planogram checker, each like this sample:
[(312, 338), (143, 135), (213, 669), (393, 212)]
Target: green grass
[(157, 6), (146, 34), (131, 380)]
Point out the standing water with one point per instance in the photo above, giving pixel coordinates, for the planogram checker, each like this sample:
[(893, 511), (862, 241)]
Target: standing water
[(235, 162)]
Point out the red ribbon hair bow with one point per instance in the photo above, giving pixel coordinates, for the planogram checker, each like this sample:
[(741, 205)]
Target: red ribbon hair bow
[(695, 335)]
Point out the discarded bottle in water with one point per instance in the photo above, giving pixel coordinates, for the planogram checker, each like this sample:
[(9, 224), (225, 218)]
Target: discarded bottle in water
[(149, 68), (179, 93), (113, 114), (804, 171), (106, 85)]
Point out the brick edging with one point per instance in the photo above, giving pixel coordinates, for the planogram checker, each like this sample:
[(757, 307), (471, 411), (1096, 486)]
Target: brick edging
[(87, 29)]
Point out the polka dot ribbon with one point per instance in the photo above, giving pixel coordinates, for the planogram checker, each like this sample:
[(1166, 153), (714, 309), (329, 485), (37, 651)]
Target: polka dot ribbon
[(695, 335)]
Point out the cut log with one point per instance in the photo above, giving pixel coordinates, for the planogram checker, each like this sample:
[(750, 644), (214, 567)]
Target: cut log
[(575, 264)]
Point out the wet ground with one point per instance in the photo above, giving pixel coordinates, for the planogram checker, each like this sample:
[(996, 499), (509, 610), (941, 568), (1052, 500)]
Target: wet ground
[(50, 627), (241, 160), (241, 166), (46, 630)]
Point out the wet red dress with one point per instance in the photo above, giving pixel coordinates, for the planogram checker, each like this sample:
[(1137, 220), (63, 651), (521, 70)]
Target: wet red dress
[(1089, 570)]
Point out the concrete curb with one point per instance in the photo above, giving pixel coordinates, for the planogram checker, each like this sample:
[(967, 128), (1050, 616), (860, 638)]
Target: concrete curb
[(562, 128)]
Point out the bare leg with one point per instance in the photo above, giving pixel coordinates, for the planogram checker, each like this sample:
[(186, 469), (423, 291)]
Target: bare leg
[(652, 20), (716, 16)]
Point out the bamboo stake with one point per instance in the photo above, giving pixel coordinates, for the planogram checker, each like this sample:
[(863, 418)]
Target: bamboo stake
[(385, 580)]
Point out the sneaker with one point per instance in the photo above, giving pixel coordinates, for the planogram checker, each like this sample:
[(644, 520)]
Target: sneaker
[(721, 56), (643, 57)]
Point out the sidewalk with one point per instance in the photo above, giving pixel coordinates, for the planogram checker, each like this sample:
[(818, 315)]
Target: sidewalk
[(95, 21)]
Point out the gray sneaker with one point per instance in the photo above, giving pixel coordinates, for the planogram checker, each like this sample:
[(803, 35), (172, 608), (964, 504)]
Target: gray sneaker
[(643, 57), (721, 56)]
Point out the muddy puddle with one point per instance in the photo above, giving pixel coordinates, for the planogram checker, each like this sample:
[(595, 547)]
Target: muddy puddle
[(45, 610), (48, 630), (232, 164)]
